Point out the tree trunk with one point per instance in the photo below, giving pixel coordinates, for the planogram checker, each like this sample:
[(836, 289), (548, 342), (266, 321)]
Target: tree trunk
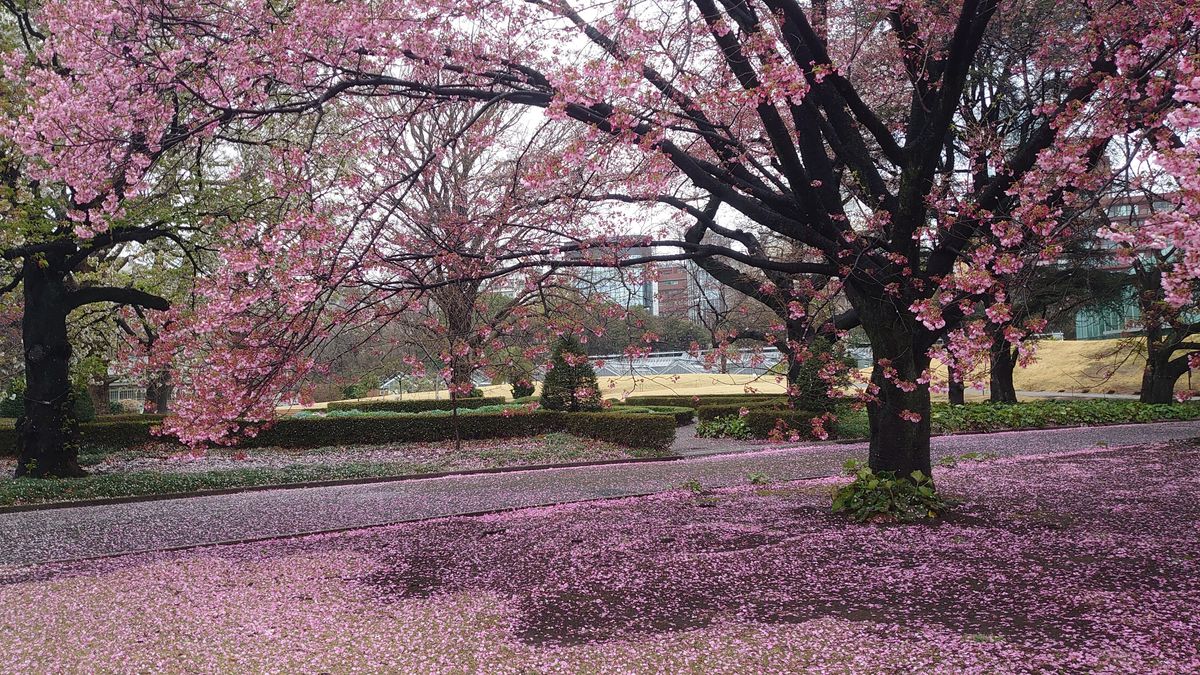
[(899, 347), (1000, 379), (47, 432), (956, 391), (158, 392), (1161, 374)]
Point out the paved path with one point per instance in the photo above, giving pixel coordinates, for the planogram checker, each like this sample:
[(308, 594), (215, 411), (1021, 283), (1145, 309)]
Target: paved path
[(69, 533), (688, 444)]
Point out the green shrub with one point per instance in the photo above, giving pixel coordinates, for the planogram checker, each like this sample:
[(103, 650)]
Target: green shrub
[(655, 432), (683, 416), (570, 383), (522, 388), (707, 411), (414, 406), (731, 426), (884, 496), (700, 400), (779, 424), (85, 410), (13, 403), (812, 392), (1040, 414)]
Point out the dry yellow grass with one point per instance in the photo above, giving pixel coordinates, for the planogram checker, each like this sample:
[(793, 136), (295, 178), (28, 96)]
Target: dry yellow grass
[(1087, 366), (1082, 366)]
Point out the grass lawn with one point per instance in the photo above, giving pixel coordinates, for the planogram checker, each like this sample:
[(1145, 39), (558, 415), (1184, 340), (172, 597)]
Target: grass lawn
[(163, 469), (1062, 365), (1081, 562)]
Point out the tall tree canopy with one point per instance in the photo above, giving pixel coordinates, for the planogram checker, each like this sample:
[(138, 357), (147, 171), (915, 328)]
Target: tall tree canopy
[(917, 152)]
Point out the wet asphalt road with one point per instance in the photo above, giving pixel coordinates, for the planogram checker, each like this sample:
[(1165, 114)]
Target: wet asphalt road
[(81, 532)]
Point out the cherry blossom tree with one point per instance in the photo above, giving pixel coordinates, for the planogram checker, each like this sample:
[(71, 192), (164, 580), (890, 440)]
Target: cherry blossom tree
[(917, 152)]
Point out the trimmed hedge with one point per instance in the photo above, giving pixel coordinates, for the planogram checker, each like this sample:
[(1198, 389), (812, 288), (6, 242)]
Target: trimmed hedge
[(762, 422), (1037, 414), (697, 401), (639, 431), (683, 415), (653, 431), (131, 417), (420, 405), (711, 412)]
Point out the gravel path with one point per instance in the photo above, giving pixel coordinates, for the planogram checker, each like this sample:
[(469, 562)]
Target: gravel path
[(81, 532)]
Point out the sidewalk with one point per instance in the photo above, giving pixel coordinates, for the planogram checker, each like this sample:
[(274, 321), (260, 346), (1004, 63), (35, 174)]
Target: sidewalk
[(82, 532)]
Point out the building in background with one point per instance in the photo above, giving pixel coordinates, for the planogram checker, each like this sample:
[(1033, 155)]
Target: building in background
[(674, 292), (624, 286), (1124, 318)]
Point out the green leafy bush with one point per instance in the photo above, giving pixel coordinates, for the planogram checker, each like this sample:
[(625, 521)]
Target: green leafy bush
[(758, 478), (883, 496), (570, 383), (13, 403), (522, 388), (415, 406), (85, 410), (731, 426), (812, 392)]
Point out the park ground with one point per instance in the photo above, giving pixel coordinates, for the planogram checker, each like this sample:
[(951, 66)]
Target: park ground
[(1103, 367), (1062, 561)]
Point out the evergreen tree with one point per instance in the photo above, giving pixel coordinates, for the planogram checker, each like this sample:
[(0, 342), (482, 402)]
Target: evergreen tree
[(571, 383)]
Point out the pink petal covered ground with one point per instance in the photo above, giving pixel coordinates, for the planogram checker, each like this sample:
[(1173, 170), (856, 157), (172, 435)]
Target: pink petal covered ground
[(1080, 562)]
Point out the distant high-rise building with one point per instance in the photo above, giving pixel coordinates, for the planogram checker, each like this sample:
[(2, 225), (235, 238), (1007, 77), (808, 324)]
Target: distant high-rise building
[(623, 286), (674, 291)]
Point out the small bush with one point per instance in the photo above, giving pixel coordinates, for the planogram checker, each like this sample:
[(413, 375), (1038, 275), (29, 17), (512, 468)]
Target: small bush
[(885, 497), (13, 403), (415, 406), (732, 426), (522, 388), (812, 391)]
